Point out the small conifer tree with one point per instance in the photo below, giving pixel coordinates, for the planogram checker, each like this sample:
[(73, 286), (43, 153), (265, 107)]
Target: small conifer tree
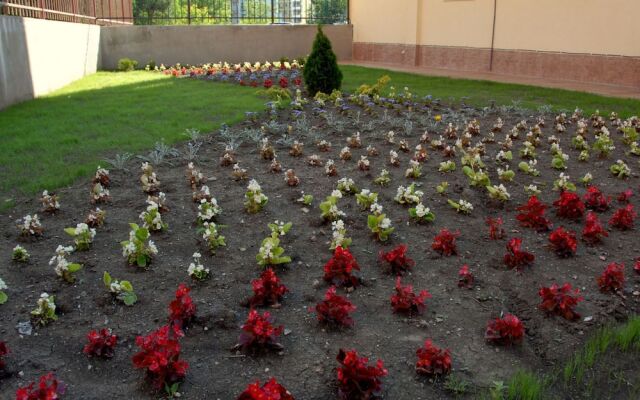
[(321, 72)]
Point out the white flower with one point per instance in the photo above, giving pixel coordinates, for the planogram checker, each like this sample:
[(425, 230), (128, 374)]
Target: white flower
[(532, 189), (421, 210), (376, 209), (254, 186), (3, 285), (336, 193), (115, 287), (385, 223), (152, 247), (466, 206)]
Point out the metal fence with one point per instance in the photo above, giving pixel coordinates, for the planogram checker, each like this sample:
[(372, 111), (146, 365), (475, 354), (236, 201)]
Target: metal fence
[(182, 12), (103, 12), (177, 12)]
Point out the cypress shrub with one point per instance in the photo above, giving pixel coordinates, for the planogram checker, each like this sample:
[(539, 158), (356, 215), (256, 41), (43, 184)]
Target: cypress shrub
[(321, 72)]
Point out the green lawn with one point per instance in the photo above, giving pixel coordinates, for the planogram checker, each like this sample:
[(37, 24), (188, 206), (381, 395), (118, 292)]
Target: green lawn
[(481, 93), (51, 141)]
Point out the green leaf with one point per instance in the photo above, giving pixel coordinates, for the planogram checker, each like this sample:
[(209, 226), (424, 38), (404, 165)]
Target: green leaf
[(70, 231), (106, 278), (74, 267), (141, 260), (142, 234), (126, 286), (129, 298), (284, 260), (3, 297), (372, 221)]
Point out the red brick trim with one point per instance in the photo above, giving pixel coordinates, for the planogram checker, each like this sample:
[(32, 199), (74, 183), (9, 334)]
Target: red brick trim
[(594, 68)]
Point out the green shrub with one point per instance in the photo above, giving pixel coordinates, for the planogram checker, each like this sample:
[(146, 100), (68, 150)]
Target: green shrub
[(321, 72), (127, 64)]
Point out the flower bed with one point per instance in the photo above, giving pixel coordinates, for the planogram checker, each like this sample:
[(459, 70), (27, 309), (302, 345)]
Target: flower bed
[(466, 270), (265, 75)]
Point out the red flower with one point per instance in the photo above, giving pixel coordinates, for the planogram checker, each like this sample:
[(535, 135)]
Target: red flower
[(532, 215), (253, 84), (637, 266), (595, 200), (612, 279), (271, 390), (297, 81), (433, 360), (160, 356), (569, 206), (593, 231), (267, 290), (182, 309), (560, 300), (563, 242), (101, 343), (625, 197), (505, 331), (258, 333), (516, 258), (397, 259), (267, 83), (335, 309), (356, 379), (465, 279), (445, 242), (495, 228), (48, 388), (284, 82), (4, 350), (623, 218), (406, 301), (339, 269)]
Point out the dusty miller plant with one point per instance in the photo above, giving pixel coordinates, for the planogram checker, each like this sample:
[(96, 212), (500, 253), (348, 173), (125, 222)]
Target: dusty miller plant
[(119, 161)]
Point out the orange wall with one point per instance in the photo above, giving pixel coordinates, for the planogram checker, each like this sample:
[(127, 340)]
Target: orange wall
[(384, 21), (573, 26)]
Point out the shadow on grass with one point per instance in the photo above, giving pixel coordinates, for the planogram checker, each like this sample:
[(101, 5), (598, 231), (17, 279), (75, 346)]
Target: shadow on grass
[(50, 142)]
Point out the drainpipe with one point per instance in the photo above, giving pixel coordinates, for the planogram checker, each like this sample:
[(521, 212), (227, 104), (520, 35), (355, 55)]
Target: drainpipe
[(417, 50), (493, 34)]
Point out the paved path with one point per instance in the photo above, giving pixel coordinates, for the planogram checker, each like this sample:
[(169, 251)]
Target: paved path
[(605, 90)]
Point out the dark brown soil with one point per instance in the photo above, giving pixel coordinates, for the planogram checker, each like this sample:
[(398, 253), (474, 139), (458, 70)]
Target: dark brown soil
[(455, 318)]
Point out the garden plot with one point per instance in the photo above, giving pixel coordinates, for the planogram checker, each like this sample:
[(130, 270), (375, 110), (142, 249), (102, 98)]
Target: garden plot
[(441, 241)]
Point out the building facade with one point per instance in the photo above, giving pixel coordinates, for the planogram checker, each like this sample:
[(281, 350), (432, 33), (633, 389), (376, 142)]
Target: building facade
[(582, 40)]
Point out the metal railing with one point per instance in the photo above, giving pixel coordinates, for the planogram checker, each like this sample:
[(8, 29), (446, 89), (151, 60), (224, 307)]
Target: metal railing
[(179, 12), (102, 12), (182, 12)]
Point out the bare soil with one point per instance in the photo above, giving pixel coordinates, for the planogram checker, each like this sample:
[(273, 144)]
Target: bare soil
[(455, 318)]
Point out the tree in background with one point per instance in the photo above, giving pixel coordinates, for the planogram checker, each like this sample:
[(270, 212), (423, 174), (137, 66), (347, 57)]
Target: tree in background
[(145, 10), (327, 11), (321, 72)]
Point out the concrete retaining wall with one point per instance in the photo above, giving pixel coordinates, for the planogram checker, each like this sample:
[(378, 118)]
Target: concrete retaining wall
[(213, 43), (38, 56)]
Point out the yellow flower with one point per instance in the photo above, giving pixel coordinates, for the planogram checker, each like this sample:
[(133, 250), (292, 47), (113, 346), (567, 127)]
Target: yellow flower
[(438, 118)]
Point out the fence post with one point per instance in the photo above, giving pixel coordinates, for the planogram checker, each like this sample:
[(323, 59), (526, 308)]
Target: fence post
[(95, 13), (348, 11), (272, 13), (189, 12), (41, 3)]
